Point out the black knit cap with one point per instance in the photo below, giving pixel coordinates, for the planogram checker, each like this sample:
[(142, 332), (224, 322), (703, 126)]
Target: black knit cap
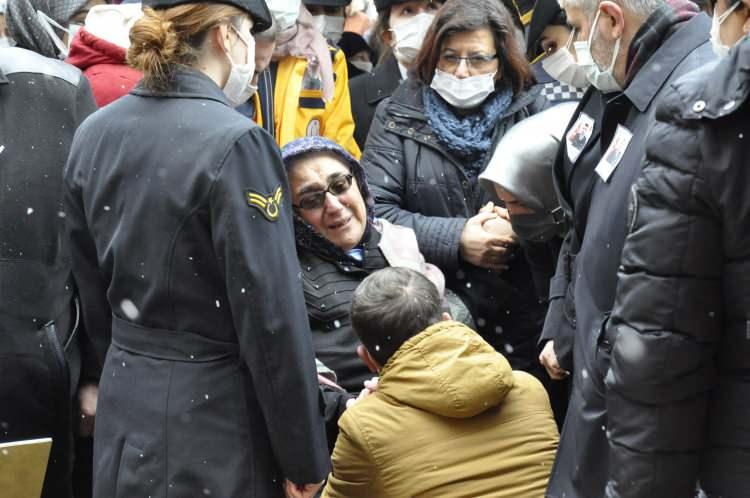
[(381, 5), (352, 44), (328, 3), (257, 9)]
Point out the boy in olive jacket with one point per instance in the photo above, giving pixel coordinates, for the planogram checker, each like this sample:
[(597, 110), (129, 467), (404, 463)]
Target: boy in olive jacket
[(450, 418)]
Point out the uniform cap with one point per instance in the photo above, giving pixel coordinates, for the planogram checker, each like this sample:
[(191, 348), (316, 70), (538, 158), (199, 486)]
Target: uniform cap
[(328, 3), (257, 9)]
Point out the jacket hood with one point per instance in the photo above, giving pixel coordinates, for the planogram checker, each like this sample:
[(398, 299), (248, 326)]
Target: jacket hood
[(88, 50), (448, 370), (113, 22)]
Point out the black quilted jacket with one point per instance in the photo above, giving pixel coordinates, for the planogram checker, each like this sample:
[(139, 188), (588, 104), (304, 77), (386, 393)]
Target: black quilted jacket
[(679, 385)]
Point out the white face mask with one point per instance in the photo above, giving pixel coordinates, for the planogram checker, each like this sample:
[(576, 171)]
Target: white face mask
[(365, 66), (48, 24), (284, 12), (331, 27), (238, 88), (463, 93), (603, 80), (409, 36), (563, 67), (720, 49)]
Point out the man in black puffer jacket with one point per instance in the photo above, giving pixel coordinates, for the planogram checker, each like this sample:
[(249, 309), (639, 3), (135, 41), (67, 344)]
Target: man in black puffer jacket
[(678, 392)]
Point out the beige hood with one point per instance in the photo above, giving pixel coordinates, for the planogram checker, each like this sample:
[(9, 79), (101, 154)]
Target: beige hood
[(448, 370)]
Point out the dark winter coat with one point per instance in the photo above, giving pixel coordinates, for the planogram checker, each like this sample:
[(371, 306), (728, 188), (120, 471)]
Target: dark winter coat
[(180, 218), (369, 90), (679, 387), (584, 287), (416, 183), (329, 286), (42, 102)]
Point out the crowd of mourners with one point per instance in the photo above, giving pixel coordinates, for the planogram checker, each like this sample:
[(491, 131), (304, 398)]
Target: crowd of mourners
[(377, 248)]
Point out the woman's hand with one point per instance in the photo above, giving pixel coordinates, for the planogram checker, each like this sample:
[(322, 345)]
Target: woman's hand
[(482, 248), (500, 211)]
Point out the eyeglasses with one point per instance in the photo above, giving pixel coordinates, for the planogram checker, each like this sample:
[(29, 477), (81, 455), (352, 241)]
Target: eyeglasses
[(450, 62), (315, 200)]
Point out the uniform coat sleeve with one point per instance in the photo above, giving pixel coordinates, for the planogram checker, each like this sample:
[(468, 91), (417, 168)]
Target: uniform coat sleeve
[(95, 331), (667, 315), (263, 284), (384, 162)]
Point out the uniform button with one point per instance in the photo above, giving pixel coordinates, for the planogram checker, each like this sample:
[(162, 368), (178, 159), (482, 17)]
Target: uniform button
[(410, 131), (465, 184), (699, 106), (391, 125)]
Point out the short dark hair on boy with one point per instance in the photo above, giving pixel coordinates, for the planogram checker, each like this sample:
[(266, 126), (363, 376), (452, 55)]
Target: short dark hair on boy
[(390, 307)]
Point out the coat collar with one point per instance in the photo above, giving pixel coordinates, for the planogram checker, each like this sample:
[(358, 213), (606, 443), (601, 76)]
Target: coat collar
[(657, 70), (384, 81), (186, 84)]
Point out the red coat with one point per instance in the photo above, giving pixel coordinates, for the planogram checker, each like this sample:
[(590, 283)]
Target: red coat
[(103, 64)]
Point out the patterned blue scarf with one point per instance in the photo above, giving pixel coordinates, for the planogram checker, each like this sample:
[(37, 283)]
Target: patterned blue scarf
[(467, 138)]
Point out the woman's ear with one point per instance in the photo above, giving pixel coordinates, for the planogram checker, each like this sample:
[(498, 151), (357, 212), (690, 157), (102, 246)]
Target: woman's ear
[(219, 36), (387, 37)]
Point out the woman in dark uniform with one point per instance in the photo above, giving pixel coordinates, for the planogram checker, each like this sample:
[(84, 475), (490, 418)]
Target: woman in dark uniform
[(180, 220)]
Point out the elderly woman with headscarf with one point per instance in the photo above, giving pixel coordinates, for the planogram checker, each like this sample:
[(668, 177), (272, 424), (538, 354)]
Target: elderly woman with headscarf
[(339, 243), (46, 27)]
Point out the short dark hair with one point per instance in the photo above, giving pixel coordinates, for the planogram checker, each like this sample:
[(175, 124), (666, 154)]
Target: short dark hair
[(390, 307), (472, 15)]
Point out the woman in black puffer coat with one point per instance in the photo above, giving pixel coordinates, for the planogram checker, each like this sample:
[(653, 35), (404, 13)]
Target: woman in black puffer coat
[(678, 390), (427, 146)]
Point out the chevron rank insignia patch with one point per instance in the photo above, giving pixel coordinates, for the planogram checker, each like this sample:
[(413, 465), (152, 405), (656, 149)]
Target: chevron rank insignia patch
[(269, 205)]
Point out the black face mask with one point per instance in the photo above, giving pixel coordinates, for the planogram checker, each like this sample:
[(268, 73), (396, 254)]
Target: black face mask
[(538, 226)]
